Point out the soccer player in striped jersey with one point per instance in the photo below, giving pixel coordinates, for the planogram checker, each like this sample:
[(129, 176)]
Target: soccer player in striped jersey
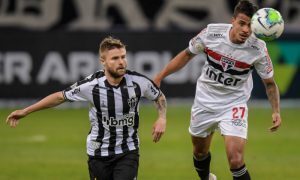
[(114, 94), (224, 87)]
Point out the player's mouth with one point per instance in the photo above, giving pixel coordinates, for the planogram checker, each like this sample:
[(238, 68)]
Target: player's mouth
[(121, 69), (244, 37)]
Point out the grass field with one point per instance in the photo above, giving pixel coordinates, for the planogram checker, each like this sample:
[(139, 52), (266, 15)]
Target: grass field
[(51, 145)]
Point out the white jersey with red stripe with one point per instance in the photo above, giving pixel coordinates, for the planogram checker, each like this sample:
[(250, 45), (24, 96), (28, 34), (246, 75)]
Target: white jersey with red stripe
[(226, 78)]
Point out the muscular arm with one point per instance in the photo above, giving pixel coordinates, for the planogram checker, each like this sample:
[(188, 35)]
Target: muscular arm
[(274, 99), (48, 102), (159, 126), (178, 62), (161, 106)]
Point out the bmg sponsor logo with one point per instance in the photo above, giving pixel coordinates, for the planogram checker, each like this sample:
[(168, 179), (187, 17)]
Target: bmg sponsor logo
[(125, 120)]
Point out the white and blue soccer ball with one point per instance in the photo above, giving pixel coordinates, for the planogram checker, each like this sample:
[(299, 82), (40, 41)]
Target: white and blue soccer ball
[(267, 24)]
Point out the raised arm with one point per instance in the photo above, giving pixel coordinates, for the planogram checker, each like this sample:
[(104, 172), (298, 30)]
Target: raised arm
[(159, 126), (178, 62), (274, 99), (48, 102)]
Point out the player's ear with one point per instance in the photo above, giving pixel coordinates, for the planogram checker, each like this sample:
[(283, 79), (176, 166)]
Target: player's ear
[(232, 19), (102, 61)]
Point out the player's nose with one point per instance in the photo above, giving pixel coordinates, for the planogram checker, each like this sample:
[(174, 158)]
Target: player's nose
[(247, 29)]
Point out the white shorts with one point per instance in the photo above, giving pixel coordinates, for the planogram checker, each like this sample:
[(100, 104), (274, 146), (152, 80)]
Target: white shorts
[(230, 122)]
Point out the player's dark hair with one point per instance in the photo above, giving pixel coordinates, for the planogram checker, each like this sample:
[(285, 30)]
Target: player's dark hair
[(109, 43), (245, 7)]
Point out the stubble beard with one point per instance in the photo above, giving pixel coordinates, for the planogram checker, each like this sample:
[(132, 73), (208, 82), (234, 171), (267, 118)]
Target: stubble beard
[(116, 74)]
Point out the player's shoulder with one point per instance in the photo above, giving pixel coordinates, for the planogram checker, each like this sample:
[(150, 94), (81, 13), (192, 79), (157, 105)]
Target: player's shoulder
[(96, 75), (87, 81), (256, 44), (137, 77), (134, 73), (92, 78), (217, 30)]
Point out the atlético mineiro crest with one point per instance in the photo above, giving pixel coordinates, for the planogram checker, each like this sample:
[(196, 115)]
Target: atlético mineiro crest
[(227, 63), (132, 102)]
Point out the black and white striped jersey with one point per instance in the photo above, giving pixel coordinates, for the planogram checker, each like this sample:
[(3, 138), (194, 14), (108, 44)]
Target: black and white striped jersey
[(114, 110)]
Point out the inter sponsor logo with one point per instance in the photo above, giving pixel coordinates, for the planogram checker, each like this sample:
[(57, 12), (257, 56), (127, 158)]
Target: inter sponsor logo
[(221, 78)]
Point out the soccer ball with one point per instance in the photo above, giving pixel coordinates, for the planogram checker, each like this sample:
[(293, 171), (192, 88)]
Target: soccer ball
[(267, 24)]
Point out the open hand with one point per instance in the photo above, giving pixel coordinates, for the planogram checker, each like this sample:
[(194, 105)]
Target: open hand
[(159, 129), (14, 118)]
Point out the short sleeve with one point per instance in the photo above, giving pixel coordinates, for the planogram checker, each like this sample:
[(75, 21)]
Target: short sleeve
[(264, 66), (196, 45), (77, 92), (150, 90)]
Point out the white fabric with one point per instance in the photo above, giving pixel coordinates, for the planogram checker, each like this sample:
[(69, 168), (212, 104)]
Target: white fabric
[(226, 80), (216, 89), (232, 122)]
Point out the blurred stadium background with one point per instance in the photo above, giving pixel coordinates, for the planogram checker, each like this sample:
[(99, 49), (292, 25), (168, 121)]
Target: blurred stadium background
[(46, 45)]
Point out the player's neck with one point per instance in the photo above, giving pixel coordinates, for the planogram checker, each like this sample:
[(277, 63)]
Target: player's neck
[(114, 81)]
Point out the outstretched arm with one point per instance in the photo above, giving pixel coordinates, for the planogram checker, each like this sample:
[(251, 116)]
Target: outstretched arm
[(174, 65), (274, 99), (159, 126), (48, 102)]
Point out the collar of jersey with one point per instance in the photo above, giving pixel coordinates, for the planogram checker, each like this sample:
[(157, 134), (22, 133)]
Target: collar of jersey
[(122, 82)]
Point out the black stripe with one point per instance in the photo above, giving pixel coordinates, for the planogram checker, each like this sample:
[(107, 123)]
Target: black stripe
[(126, 108), (111, 114), (96, 99), (136, 118), (229, 71), (98, 74)]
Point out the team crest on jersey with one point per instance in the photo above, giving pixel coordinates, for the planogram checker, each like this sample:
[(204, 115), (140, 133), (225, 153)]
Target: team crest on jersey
[(132, 102), (227, 63)]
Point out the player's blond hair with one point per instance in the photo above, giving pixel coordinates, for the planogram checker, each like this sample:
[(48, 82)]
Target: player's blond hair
[(109, 43)]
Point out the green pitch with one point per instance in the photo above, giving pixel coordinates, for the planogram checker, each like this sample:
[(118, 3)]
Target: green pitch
[(51, 145)]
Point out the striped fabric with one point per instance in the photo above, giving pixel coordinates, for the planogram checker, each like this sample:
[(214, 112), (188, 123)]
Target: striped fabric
[(113, 113)]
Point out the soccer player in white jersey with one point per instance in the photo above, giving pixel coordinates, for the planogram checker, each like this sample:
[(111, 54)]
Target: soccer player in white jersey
[(224, 87), (114, 94)]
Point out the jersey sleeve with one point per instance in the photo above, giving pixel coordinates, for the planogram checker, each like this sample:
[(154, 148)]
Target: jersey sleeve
[(264, 66), (149, 89), (78, 91), (196, 45)]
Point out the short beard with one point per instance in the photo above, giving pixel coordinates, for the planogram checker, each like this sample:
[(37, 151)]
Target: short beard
[(114, 74)]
